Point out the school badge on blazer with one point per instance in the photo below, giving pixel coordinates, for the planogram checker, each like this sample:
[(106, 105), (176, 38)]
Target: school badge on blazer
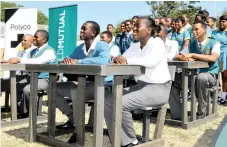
[(208, 51)]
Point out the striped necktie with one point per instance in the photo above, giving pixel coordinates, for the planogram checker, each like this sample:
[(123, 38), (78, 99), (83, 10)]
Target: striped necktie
[(34, 52), (200, 47)]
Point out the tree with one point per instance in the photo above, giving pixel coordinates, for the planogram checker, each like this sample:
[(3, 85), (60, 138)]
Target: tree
[(42, 18), (172, 8), (224, 11)]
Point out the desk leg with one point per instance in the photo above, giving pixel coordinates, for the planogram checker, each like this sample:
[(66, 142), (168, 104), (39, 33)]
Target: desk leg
[(99, 111), (117, 111), (78, 100), (13, 95), (33, 106), (184, 114), (193, 98), (51, 104)]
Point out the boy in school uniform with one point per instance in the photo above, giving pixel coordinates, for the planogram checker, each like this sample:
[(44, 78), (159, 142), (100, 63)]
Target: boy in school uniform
[(204, 49)]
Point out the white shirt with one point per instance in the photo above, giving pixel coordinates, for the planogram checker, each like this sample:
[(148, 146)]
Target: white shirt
[(171, 47), (187, 26), (215, 49), (169, 35), (93, 44), (153, 57), (114, 50), (113, 40), (26, 53), (46, 57)]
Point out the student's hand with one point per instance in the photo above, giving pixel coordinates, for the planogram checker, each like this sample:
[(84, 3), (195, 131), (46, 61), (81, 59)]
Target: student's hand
[(120, 60), (190, 59), (4, 61), (13, 60), (69, 61), (188, 55)]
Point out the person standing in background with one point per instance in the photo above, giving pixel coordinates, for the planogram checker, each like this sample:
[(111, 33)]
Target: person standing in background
[(211, 22)]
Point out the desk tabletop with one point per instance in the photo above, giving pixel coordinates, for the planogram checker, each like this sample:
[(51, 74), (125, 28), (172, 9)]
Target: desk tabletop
[(102, 70), (189, 64)]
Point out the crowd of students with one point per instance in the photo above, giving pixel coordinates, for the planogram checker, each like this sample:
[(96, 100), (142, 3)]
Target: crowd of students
[(142, 41)]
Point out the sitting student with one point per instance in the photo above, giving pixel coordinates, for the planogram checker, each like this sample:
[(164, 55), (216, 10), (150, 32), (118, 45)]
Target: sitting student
[(134, 19), (168, 24), (43, 54), (171, 46), (221, 36), (181, 35), (202, 16), (110, 28), (211, 22), (149, 90), (187, 25), (27, 45), (162, 21), (205, 49), (92, 51), (173, 29), (114, 49)]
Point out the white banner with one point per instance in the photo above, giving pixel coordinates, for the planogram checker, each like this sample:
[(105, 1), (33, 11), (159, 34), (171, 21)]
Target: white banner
[(18, 21)]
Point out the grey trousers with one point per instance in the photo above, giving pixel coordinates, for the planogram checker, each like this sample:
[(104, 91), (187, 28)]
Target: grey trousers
[(23, 93), (134, 97), (64, 94), (202, 81)]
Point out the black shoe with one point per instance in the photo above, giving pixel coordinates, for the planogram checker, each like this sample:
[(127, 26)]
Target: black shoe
[(22, 115), (72, 139), (200, 115), (67, 125), (130, 145), (222, 101)]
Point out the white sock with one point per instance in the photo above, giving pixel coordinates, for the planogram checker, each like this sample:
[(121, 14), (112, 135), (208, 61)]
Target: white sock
[(135, 141), (223, 95)]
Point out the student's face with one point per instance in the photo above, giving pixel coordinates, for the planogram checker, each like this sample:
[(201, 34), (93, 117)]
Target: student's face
[(128, 26), (141, 30), (198, 31), (222, 25), (178, 25), (110, 29), (27, 42), (104, 37), (209, 22), (168, 22), (134, 21), (86, 31), (198, 18), (163, 21), (123, 28), (185, 18), (173, 25), (39, 39), (156, 21)]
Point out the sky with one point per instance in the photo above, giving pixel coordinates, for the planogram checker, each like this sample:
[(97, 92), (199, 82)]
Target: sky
[(111, 12)]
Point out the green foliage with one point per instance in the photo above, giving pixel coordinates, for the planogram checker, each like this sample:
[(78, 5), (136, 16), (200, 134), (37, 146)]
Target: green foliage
[(172, 8), (42, 18), (6, 5), (224, 11)]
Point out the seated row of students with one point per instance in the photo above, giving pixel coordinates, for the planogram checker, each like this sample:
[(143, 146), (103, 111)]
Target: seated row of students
[(40, 53), (149, 51)]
